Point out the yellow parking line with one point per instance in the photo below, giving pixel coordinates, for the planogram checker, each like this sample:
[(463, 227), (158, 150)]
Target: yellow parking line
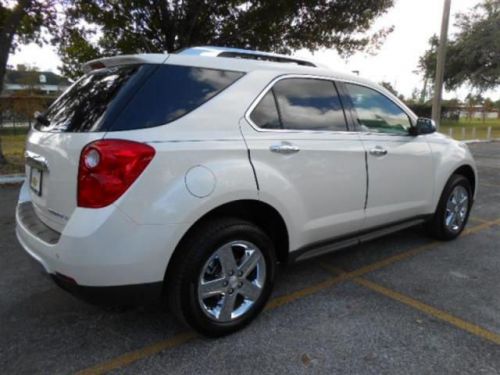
[(429, 310), (147, 351), (177, 340), (480, 227), (301, 293), (131, 357), (478, 219), (488, 184)]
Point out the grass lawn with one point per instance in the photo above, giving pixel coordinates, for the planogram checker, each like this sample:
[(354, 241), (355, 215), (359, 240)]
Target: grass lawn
[(13, 150), (464, 129)]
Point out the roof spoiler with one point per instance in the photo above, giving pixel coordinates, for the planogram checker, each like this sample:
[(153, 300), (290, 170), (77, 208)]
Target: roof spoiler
[(106, 62)]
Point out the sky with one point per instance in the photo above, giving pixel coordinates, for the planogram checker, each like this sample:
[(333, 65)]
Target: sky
[(415, 21)]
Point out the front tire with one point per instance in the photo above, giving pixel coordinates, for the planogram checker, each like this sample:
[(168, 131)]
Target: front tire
[(453, 209), (222, 276)]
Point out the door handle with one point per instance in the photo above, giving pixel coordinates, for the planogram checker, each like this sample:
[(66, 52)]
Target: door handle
[(378, 151), (284, 148)]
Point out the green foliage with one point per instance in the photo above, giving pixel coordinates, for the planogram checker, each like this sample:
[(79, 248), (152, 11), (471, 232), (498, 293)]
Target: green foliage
[(392, 90), (75, 49), (104, 27), (23, 21), (473, 55), (26, 21)]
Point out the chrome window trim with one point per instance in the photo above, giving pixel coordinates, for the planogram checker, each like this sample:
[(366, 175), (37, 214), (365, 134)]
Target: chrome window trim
[(269, 86)]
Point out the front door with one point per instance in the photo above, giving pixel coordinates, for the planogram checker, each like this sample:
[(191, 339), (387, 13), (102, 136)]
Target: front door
[(400, 167)]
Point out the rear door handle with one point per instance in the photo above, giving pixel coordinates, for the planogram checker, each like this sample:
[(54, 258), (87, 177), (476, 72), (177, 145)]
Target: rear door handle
[(378, 151), (284, 148)]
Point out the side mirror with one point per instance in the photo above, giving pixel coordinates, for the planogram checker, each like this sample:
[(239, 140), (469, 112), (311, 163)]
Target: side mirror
[(423, 126)]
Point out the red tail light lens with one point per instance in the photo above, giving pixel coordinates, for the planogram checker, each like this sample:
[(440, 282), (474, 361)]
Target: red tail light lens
[(108, 168)]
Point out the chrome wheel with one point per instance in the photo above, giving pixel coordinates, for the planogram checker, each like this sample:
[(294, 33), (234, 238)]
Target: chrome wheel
[(231, 281), (456, 208)]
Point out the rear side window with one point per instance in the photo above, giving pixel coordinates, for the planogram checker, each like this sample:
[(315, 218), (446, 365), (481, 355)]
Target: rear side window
[(171, 92), (134, 97), (301, 104)]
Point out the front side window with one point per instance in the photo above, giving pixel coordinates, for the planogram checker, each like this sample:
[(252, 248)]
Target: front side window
[(376, 112), (301, 104)]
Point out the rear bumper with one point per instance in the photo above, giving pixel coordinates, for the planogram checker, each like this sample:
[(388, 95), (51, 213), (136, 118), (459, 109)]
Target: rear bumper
[(112, 295), (100, 248)]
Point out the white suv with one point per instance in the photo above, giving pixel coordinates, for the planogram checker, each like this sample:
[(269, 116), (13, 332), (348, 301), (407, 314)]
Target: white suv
[(188, 176)]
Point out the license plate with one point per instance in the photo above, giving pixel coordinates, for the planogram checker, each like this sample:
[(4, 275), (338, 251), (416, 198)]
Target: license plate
[(36, 180)]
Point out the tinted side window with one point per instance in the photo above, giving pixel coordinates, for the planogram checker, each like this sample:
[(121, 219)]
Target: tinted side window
[(81, 107), (171, 92), (265, 115), (376, 112), (309, 104)]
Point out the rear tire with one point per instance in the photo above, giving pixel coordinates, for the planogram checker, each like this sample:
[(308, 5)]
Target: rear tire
[(222, 276), (453, 209)]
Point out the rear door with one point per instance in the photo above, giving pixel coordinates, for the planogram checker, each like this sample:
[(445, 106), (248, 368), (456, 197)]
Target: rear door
[(400, 169), (306, 161)]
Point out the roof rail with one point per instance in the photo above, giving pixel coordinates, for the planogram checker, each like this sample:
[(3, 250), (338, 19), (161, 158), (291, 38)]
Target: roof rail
[(242, 54)]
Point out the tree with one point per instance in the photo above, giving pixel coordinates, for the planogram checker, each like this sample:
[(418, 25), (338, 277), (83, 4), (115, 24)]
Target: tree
[(473, 54), (392, 90), (99, 27), (497, 107), (22, 22)]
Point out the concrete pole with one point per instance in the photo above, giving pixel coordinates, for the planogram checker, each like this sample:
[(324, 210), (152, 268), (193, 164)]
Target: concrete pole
[(441, 56)]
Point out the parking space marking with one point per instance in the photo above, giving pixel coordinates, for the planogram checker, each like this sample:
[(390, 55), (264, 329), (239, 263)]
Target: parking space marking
[(478, 219), (147, 351), (338, 277), (489, 184), (429, 310)]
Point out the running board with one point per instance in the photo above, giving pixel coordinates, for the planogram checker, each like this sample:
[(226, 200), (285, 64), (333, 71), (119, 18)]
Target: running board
[(355, 239)]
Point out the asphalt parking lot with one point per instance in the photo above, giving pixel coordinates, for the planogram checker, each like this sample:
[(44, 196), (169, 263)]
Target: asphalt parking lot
[(400, 304)]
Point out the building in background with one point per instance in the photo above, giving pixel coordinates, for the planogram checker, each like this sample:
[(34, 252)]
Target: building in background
[(26, 90), (42, 83)]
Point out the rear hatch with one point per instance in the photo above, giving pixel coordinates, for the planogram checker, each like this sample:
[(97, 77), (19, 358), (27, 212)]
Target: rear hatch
[(79, 116)]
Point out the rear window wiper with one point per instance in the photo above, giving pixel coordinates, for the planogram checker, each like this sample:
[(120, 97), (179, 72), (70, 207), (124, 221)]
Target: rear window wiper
[(40, 117)]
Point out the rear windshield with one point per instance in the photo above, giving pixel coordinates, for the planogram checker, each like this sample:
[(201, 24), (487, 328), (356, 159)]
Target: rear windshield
[(133, 97)]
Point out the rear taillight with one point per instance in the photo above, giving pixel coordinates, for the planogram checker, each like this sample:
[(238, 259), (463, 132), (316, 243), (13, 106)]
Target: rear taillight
[(108, 168)]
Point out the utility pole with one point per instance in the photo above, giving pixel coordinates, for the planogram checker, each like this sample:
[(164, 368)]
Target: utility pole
[(441, 56)]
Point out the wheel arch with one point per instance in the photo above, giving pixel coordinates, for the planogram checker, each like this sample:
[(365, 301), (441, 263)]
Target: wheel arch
[(468, 172), (261, 214)]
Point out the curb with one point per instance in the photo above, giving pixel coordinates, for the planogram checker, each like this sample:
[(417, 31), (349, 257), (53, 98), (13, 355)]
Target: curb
[(481, 140), (11, 179)]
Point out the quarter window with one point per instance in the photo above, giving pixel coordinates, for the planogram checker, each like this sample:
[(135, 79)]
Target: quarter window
[(301, 104), (376, 112), (265, 115)]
